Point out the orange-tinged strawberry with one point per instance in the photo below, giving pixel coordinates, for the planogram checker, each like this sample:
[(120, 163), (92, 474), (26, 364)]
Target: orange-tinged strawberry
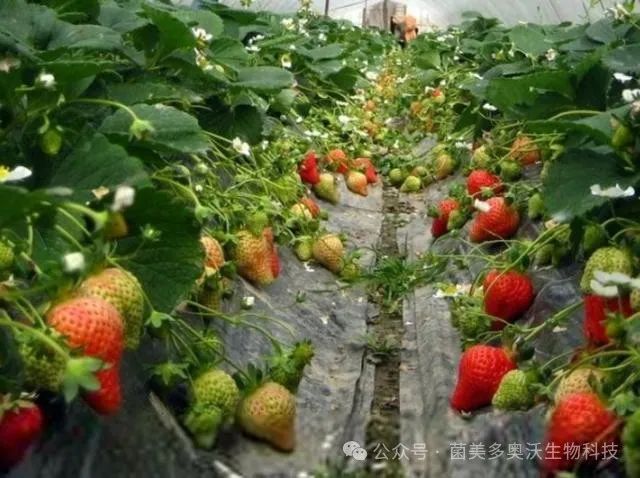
[(90, 324), (366, 166), (337, 160), (525, 151), (479, 375), (311, 205), (500, 221), (507, 295), (122, 290), (480, 179), (108, 398), (596, 311), (579, 421), (254, 257), (445, 207), (328, 251), (357, 182), (269, 413), (213, 253)]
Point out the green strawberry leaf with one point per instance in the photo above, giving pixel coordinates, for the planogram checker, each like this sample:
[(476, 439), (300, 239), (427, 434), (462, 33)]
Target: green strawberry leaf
[(163, 251), (567, 186), (95, 163)]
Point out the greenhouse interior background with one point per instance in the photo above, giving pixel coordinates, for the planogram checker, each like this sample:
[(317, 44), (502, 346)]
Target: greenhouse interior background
[(319, 239)]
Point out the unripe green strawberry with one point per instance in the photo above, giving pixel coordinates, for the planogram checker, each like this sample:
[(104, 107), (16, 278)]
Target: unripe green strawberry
[(510, 170), (605, 259), (204, 422), (419, 171), (7, 256), (269, 413), (544, 255), (216, 388), (444, 165), (535, 207), (51, 142), (122, 290), (622, 136), (594, 236), (396, 176), (411, 185), (471, 325), (304, 248), (481, 158), (43, 368), (350, 272), (326, 188), (514, 392)]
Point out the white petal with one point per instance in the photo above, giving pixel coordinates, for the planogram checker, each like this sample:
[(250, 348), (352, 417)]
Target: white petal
[(123, 198), (622, 78), (17, 174), (481, 206), (73, 262), (611, 278), (602, 290)]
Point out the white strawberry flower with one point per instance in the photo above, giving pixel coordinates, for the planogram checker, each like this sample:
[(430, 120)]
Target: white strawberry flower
[(16, 174), (287, 23), (551, 54), (612, 192), (622, 78), (489, 107), (46, 80), (371, 75), (201, 35), (248, 301), (73, 262), (241, 147), (344, 119), (630, 96), (123, 198), (285, 61), (252, 48), (8, 63)]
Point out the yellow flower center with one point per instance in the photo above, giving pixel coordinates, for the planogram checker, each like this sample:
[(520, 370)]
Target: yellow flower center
[(4, 172)]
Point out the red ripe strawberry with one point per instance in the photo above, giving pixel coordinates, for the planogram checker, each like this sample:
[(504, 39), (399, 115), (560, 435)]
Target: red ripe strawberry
[(90, 324), (507, 295), (108, 398), (596, 310), (479, 374), (499, 222), (368, 168), (480, 179), (308, 169), (20, 427), (579, 420), (439, 225), (311, 205), (336, 160)]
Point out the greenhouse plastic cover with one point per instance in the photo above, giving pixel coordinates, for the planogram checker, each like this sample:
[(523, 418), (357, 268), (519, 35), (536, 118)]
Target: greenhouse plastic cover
[(431, 13)]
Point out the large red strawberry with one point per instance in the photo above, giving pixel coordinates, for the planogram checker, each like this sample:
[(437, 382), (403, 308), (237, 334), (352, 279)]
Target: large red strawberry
[(507, 295), (596, 311), (108, 398), (500, 221), (90, 324), (337, 160), (95, 327), (580, 421), (439, 224), (368, 168), (20, 427), (479, 374), (308, 169), (480, 179)]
